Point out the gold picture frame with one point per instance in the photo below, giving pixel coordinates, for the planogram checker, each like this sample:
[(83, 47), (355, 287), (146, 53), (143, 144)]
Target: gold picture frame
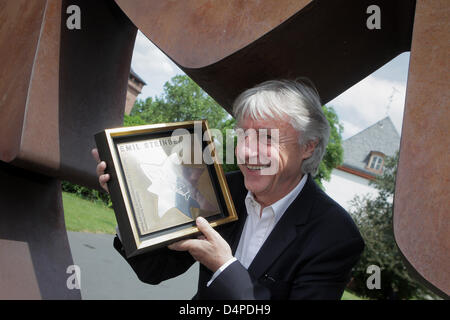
[(162, 177)]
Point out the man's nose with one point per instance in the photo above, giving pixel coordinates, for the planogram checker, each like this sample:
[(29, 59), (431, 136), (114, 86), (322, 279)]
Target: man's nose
[(247, 150), (251, 151), (251, 148)]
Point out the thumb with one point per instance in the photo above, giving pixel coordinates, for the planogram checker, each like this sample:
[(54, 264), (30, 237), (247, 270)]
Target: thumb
[(205, 228)]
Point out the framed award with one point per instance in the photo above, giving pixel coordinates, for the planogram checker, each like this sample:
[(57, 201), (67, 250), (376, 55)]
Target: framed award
[(162, 177)]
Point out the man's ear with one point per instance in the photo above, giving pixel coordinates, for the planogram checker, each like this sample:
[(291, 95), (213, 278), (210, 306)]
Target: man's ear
[(309, 147)]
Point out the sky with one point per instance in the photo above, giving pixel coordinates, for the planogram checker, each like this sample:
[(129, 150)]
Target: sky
[(379, 95)]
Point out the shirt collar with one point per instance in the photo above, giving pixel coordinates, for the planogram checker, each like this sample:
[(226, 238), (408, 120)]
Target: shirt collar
[(281, 205)]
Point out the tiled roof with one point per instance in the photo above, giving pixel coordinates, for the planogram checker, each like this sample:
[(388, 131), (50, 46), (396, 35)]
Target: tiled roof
[(381, 137), (136, 76)]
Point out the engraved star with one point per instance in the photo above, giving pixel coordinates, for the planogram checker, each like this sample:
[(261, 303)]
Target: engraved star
[(167, 181)]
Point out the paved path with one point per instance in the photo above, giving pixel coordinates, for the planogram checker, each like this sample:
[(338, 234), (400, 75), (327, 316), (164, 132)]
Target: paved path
[(106, 275)]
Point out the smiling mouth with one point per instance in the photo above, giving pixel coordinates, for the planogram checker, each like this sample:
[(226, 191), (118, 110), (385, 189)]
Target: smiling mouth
[(256, 167)]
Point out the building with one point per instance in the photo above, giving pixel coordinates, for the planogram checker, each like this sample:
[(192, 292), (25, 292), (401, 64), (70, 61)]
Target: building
[(135, 85), (364, 155)]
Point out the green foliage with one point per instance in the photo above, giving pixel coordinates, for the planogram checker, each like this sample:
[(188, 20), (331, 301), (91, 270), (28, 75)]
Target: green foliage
[(373, 216), (182, 100), (129, 121), (334, 153), (86, 193), (227, 125), (349, 296)]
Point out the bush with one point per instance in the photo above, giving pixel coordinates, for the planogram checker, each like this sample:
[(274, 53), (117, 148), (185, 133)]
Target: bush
[(373, 217), (86, 193)]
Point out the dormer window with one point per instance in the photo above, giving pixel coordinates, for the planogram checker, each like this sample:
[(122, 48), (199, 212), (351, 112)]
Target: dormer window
[(376, 162)]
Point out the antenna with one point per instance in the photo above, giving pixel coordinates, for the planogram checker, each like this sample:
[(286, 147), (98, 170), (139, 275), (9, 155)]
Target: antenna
[(391, 97)]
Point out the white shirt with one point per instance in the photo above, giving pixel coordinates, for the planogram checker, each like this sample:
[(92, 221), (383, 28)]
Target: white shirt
[(258, 227)]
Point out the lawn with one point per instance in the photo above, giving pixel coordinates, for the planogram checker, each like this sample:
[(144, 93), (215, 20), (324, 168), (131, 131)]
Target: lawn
[(86, 216), (350, 296)]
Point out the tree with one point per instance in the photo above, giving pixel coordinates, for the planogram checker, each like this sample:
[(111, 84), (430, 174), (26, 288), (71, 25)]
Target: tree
[(373, 216), (228, 126), (184, 100), (181, 100), (129, 121), (334, 152)]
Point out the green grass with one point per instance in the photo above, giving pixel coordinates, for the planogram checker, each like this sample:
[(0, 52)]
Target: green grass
[(86, 216), (350, 296)]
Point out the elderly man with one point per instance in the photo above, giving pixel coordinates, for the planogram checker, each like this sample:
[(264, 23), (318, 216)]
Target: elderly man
[(291, 240)]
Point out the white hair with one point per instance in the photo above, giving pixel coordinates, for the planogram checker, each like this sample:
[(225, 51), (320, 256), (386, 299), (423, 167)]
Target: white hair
[(299, 101)]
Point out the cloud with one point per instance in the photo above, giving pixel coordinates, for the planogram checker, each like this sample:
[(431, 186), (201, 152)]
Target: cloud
[(369, 101), (152, 65)]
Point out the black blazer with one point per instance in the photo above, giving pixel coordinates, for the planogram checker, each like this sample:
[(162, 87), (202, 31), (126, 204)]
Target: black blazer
[(308, 255)]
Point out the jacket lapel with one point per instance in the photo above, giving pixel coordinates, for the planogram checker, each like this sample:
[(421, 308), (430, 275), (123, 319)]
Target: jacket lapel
[(285, 230), (238, 193), (239, 226)]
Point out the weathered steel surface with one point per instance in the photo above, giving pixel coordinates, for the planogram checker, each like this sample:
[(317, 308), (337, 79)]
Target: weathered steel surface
[(229, 46), (34, 250), (93, 79), (421, 205), (19, 36), (198, 33), (58, 87), (39, 140)]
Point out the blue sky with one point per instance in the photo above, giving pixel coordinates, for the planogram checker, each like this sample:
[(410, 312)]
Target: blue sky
[(380, 94)]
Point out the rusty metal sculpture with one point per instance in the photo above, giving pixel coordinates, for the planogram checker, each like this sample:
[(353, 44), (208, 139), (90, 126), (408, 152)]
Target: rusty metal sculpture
[(59, 86), (421, 214)]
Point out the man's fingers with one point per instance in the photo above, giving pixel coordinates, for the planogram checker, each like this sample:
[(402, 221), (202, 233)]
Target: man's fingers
[(184, 245), (100, 170), (103, 179), (95, 154), (101, 167), (178, 246), (206, 229)]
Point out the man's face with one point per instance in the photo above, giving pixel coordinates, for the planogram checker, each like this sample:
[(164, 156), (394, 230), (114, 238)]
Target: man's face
[(284, 153)]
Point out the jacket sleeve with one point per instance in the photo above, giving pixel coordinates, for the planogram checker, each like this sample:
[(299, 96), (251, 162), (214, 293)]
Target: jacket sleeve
[(324, 277), (162, 264), (159, 265), (327, 274)]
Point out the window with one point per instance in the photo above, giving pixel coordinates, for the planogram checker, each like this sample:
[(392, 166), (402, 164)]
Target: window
[(376, 162)]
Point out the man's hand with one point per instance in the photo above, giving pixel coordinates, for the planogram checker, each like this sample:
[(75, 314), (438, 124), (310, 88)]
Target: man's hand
[(101, 167), (211, 249)]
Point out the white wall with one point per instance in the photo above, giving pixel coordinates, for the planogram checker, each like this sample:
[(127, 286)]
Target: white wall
[(343, 187)]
